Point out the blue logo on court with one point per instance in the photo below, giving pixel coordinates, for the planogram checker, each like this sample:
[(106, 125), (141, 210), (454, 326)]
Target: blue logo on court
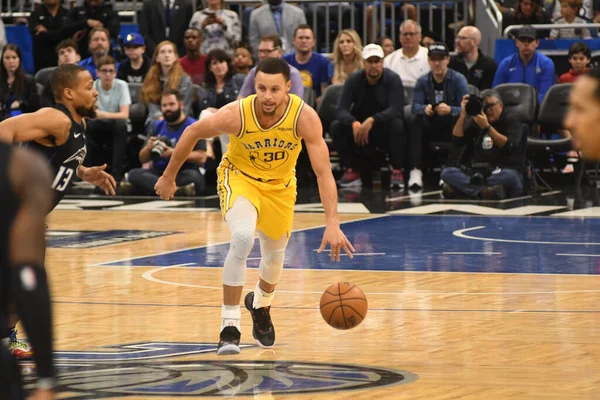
[(141, 369)]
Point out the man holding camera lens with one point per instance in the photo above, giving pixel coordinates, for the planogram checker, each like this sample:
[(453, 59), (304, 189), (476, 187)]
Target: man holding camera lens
[(159, 148), (490, 140)]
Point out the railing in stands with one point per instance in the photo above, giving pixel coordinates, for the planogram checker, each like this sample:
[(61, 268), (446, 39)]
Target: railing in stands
[(442, 16), (489, 22), (539, 27)]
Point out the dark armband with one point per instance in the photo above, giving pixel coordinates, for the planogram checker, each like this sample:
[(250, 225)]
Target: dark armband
[(32, 300)]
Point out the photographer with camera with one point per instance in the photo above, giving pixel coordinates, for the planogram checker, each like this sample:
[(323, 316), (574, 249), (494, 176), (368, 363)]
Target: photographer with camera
[(159, 148), (490, 140), (436, 103)]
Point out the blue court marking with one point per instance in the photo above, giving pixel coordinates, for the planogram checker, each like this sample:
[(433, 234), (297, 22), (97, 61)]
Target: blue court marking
[(536, 245)]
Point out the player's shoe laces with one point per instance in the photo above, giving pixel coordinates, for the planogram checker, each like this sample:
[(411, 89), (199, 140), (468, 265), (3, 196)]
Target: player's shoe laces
[(230, 341), (262, 329), (20, 350)]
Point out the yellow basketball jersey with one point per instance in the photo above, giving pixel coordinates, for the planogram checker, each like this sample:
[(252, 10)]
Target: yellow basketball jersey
[(266, 154)]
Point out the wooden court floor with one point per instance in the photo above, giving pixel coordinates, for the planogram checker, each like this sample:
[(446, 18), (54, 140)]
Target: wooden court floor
[(435, 335)]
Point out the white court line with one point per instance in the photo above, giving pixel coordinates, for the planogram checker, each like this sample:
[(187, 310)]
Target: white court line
[(408, 196), (354, 254), (577, 255), (461, 234), (149, 276), (472, 252)]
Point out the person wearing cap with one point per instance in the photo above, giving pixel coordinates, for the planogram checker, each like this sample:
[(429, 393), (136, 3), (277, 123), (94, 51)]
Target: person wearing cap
[(134, 69), (527, 65), (370, 116), (478, 68), (436, 103)]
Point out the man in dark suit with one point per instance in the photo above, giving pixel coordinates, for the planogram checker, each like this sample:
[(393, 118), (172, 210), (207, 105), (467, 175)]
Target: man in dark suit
[(48, 26), (95, 10), (165, 20)]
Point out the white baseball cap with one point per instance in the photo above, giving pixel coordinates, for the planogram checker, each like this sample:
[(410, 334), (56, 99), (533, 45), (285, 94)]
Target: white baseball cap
[(372, 50)]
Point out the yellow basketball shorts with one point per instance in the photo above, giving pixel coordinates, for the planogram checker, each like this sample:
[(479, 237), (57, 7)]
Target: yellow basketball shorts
[(274, 201)]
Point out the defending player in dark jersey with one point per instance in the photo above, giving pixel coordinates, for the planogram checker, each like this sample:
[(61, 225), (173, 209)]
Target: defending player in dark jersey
[(25, 195), (59, 133)]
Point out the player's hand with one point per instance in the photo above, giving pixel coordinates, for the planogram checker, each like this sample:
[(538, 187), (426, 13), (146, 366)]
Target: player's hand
[(337, 240), (165, 188), (40, 394), (97, 176)]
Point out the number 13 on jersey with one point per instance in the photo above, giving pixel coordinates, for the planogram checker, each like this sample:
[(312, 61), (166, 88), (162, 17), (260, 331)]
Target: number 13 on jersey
[(62, 179)]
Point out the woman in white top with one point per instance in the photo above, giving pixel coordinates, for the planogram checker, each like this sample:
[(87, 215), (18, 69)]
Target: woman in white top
[(221, 28), (347, 55)]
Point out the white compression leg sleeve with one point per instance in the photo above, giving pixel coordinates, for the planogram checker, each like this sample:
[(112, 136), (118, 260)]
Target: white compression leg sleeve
[(271, 266), (241, 219)]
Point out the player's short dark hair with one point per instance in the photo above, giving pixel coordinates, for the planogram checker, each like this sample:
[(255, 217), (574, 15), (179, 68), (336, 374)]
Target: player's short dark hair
[(580, 47), (273, 66), (65, 76), (105, 60), (303, 26), (171, 92), (275, 39), (65, 44)]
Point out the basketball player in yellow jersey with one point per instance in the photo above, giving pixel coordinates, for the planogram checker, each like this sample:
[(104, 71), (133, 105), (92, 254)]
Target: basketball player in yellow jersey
[(257, 188)]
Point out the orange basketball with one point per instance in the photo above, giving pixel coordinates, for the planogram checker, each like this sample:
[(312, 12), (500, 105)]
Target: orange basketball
[(344, 305)]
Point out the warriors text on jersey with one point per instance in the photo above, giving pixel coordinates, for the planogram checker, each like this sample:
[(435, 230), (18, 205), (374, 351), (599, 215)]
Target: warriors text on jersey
[(66, 158), (266, 154)]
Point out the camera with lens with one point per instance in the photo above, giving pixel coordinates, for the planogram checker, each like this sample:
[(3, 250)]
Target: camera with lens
[(159, 147), (474, 105), (479, 173)]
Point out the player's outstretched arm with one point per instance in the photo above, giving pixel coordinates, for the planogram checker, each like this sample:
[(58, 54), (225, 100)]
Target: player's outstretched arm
[(225, 121), (310, 129), (31, 180), (46, 124)]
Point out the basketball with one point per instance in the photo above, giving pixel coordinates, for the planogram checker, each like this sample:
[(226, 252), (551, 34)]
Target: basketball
[(344, 305)]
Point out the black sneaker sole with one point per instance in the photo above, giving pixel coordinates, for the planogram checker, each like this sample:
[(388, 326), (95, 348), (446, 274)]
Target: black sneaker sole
[(249, 303)]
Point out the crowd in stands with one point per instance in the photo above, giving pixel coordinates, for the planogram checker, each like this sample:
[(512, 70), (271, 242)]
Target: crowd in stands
[(401, 105)]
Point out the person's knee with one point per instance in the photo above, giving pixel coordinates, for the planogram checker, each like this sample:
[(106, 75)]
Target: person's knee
[(120, 126), (397, 126), (335, 128), (447, 173)]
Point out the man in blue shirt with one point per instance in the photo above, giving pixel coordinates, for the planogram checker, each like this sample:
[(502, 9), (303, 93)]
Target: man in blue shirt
[(528, 65), (313, 66), (160, 146), (99, 46)]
